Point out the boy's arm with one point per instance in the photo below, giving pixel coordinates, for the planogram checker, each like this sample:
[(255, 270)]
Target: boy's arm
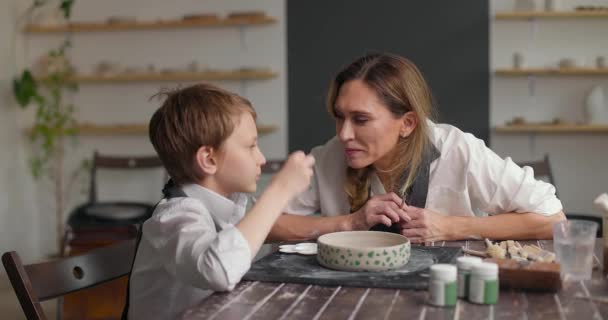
[(185, 239), (291, 227)]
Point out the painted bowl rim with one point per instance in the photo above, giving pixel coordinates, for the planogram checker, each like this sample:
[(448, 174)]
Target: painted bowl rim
[(322, 240)]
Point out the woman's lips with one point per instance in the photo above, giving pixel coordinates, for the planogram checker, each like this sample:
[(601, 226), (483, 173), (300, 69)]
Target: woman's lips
[(351, 152)]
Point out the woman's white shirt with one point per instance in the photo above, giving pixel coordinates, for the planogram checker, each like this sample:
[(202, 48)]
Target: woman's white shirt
[(189, 248), (467, 179)]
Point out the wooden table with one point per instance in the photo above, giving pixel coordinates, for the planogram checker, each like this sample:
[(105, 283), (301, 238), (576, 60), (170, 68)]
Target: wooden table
[(265, 300)]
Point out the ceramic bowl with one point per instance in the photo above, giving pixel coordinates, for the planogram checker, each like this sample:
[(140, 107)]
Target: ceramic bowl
[(363, 250)]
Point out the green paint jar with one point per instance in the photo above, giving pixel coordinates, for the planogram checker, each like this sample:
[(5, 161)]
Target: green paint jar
[(483, 285), (465, 265), (442, 285)]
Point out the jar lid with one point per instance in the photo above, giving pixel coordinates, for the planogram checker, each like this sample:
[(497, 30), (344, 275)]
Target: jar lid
[(467, 263), (486, 269), (444, 272)]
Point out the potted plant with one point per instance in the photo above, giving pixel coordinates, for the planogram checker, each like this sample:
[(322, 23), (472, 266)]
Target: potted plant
[(44, 88)]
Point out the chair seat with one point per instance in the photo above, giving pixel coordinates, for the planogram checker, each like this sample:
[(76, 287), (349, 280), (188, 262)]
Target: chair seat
[(109, 214), (117, 210)]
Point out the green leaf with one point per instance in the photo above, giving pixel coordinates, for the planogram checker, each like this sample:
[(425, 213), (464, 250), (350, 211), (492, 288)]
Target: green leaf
[(24, 88), (66, 7)]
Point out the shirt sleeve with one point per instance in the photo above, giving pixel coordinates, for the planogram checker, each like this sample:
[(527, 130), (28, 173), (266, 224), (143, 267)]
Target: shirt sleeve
[(185, 236), (499, 185)]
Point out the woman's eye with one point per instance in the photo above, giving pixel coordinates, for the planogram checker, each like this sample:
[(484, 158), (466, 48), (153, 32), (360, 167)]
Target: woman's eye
[(360, 120)]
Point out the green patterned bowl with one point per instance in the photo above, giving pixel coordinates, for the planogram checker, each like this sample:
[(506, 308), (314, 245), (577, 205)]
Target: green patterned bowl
[(363, 250)]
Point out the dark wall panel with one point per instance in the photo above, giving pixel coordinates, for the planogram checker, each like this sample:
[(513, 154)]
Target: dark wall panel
[(447, 40)]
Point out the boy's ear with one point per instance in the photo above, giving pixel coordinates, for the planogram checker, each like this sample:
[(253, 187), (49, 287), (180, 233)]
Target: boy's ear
[(206, 160), (409, 121)]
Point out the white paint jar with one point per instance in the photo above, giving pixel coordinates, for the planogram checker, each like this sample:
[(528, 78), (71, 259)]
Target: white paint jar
[(483, 286), (465, 266), (442, 285)]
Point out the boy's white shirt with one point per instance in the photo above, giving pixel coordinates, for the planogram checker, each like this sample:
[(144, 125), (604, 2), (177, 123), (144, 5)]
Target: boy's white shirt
[(189, 248), (467, 179)]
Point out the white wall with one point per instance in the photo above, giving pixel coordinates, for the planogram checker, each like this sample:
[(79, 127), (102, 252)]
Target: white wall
[(579, 161), (26, 219), (26, 208), (19, 216)]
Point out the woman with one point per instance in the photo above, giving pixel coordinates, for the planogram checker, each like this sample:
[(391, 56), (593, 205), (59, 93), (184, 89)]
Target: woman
[(390, 165)]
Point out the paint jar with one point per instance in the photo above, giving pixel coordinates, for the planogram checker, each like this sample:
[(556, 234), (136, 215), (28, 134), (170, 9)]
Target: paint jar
[(465, 265), (442, 285), (483, 286)]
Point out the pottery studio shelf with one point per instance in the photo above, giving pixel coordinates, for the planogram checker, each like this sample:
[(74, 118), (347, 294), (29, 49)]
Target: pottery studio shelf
[(90, 129), (552, 72), (552, 129), (552, 15), (261, 74), (150, 25)]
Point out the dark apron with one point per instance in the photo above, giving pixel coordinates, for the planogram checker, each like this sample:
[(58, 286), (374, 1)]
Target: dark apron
[(169, 191), (417, 192)]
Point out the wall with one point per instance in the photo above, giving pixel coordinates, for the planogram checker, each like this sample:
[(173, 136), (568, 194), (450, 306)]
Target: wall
[(578, 160), (451, 52), (26, 206)]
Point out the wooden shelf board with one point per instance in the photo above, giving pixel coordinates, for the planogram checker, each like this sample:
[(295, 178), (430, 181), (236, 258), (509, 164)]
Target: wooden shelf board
[(149, 25), (177, 76), (138, 129), (552, 72), (551, 15), (547, 128)]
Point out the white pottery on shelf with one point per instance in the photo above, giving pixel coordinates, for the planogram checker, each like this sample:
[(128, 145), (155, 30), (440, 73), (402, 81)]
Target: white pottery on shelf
[(526, 5), (49, 15), (596, 110), (363, 250)]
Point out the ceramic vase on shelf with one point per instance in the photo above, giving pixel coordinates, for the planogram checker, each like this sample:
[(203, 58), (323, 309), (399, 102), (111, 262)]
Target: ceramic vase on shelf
[(596, 110)]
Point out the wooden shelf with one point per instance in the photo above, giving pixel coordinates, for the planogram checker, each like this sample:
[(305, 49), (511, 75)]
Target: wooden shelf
[(551, 15), (552, 72), (178, 76), (88, 129), (549, 129), (149, 25)]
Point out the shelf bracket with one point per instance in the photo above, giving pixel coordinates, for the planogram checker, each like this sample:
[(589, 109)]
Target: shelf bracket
[(531, 85), (532, 145), (243, 90), (242, 37)]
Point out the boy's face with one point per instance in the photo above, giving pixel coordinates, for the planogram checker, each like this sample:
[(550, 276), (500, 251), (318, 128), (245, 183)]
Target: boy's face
[(240, 162)]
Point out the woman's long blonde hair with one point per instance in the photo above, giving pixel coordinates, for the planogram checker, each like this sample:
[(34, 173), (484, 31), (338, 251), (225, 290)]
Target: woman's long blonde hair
[(401, 87)]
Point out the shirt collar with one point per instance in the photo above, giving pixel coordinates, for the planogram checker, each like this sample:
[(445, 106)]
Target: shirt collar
[(229, 209)]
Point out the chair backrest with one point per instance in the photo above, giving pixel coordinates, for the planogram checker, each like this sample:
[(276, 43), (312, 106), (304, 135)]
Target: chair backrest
[(34, 283), (542, 169), (118, 162)]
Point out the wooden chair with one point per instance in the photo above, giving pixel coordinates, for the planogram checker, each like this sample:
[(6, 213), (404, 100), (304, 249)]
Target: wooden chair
[(94, 213), (542, 171), (34, 283)]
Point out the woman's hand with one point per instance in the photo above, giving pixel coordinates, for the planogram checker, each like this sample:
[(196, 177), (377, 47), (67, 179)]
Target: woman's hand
[(426, 225), (385, 209)]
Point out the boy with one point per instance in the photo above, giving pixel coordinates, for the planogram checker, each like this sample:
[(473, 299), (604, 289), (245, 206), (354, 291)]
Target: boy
[(199, 239)]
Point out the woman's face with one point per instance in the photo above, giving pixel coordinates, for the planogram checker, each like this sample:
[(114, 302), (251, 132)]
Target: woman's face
[(366, 127)]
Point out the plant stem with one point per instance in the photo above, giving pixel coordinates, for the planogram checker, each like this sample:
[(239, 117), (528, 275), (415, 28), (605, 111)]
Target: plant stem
[(59, 191)]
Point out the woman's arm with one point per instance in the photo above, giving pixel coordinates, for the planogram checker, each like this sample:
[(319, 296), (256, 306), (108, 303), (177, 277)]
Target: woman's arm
[(427, 225), (385, 209), (291, 227), (507, 226)]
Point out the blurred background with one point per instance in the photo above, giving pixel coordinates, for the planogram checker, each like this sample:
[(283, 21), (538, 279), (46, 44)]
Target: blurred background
[(530, 77)]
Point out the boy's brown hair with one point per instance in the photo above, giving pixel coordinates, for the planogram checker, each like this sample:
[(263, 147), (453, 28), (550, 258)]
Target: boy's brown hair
[(189, 118)]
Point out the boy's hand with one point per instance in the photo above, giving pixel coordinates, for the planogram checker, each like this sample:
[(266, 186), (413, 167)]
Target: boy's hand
[(295, 175)]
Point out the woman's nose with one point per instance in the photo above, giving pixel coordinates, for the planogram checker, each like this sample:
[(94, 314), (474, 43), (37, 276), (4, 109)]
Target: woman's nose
[(345, 132)]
